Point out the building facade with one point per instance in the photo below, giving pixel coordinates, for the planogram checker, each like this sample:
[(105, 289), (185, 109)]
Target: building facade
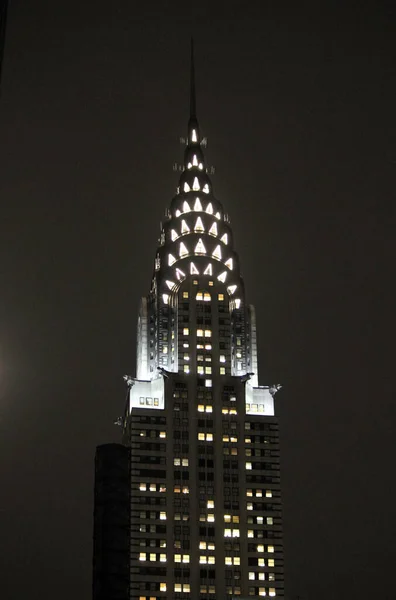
[(200, 432)]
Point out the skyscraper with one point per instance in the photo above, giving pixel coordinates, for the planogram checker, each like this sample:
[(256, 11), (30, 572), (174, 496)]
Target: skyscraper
[(199, 466)]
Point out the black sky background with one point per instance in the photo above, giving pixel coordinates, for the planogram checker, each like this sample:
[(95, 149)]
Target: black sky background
[(298, 104)]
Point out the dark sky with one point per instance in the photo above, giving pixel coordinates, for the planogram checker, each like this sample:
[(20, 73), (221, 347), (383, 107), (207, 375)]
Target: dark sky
[(298, 103)]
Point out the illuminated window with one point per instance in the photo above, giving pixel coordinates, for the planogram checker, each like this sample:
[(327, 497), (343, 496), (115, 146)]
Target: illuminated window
[(209, 209), (178, 558), (196, 185), (217, 252), (197, 205), (227, 532), (201, 436), (210, 504), (185, 294), (176, 462), (208, 383), (224, 238), (249, 506), (222, 277), (178, 213), (209, 271), (218, 215), (208, 346), (248, 466), (185, 489), (171, 259), (199, 296), (184, 227), (195, 281), (235, 533), (163, 515), (162, 557), (142, 487), (182, 250), (142, 556), (186, 331), (200, 332), (202, 545), (176, 489), (262, 591), (178, 586), (208, 333), (222, 371), (186, 356), (162, 587), (205, 189), (210, 518), (271, 576), (207, 297), (270, 521), (208, 370), (200, 371), (237, 303), (268, 493), (186, 369), (271, 562), (270, 549), (208, 408), (228, 263), (261, 562), (260, 520), (209, 436), (186, 206), (202, 560), (213, 229), (250, 533), (186, 187), (200, 248), (227, 518), (260, 548), (198, 227), (252, 575), (237, 560), (194, 136), (174, 237), (186, 558), (184, 462), (211, 283), (228, 560), (201, 407)]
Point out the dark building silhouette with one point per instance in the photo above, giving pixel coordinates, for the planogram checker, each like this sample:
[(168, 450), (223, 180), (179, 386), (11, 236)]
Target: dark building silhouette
[(205, 506)]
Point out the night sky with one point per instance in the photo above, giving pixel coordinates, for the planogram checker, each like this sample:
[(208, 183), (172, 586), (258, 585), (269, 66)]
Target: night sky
[(298, 104)]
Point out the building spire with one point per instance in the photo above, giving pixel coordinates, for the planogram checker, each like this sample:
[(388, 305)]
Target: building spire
[(193, 107)]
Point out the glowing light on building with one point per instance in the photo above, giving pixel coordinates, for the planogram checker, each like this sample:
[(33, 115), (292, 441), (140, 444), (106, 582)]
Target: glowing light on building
[(208, 270), (213, 229), (184, 227), (217, 252), (171, 259), (193, 269), (183, 250), (198, 205), (222, 277), (228, 263), (198, 227), (200, 248), (224, 238)]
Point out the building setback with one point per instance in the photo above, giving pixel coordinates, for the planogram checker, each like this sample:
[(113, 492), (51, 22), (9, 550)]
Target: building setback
[(189, 506)]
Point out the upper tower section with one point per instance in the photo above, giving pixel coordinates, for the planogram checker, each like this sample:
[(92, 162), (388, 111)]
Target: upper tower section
[(196, 263)]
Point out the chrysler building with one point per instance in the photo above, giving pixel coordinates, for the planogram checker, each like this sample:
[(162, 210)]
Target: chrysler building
[(188, 507)]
